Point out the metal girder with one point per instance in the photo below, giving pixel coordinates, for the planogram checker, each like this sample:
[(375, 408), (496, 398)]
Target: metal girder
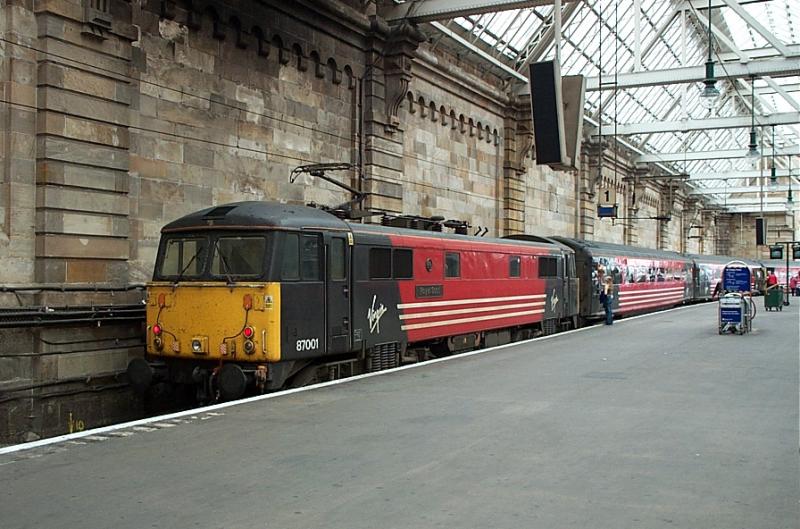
[(783, 93), (756, 25), (750, 200), (769, 90), (428, 10), (477, 51), (547, 39), (721, 37), (756, 208), (784, 118), (778, 67), (703, 4), (759, 53), (736, 190), (667, 157), (733, 175)]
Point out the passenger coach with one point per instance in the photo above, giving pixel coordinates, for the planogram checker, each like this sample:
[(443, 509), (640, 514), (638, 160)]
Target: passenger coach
[(644, 280)]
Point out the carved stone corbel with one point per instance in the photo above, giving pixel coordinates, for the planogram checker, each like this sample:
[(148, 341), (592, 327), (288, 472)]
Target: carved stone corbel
[(401, 46)]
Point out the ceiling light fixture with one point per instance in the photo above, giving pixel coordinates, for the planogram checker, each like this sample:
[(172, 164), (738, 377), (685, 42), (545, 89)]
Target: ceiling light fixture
[(752, 149), (709, 93)]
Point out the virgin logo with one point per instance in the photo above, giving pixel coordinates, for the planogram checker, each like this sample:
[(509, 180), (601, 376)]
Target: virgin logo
[(374, 316)]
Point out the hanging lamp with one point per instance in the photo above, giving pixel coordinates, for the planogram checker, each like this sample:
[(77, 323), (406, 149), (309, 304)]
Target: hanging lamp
[(752, 149), (709, 93)]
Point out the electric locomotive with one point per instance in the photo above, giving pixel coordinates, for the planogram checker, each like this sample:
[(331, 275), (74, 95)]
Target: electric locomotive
[(256, 296)]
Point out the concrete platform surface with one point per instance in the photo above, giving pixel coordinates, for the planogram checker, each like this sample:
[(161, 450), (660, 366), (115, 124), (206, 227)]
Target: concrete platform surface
[(653, 422)]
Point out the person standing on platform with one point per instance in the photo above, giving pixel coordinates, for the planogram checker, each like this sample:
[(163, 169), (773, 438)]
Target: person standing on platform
[(793, 285), (607, 299), (772, 279)]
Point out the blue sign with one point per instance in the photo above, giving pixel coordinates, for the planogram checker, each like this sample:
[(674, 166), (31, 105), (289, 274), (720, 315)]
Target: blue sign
[(730, 315), (736, 279), (605, 211)]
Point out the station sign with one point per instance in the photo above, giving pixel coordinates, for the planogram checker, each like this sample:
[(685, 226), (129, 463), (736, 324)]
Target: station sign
[(608, 196), (796, 252), (736, 279), (776, 251), (606, 211)]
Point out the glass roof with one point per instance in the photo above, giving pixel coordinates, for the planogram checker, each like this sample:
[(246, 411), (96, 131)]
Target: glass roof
[(670, 37)]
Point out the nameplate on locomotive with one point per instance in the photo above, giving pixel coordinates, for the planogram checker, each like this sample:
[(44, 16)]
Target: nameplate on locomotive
[(430, 291)]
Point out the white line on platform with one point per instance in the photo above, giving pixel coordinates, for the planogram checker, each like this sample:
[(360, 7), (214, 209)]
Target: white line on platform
[(209, 410)]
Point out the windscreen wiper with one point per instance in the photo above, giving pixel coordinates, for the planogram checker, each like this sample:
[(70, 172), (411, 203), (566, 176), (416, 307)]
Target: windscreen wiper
[(225, 268), (185, 268)]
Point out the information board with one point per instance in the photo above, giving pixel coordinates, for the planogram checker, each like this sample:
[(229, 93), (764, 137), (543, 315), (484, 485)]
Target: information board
[(730, 310), (736, 279)]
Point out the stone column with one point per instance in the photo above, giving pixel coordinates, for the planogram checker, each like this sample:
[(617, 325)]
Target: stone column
[(82, 201), (18, 78), (590, 178), (389, 61), (516, 145)]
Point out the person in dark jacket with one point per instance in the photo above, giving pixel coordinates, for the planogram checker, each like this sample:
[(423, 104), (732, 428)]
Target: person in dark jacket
[(607, 299)]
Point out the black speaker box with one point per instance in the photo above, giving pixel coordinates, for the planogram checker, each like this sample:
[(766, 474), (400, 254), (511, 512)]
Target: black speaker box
[(761, 232)]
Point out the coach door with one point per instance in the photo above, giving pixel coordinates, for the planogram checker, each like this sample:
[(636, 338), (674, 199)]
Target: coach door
[(570, 286), (337, 321)]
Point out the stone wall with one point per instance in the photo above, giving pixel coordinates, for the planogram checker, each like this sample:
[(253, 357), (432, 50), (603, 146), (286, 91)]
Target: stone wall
[(18, 77), (780, 227), (119, 117)]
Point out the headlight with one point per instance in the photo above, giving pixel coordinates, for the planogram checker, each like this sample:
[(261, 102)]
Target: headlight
[(197, 346)]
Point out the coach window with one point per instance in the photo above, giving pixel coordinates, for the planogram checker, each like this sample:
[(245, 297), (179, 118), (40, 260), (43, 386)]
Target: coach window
[(380, 263), (452, 264), (548, 267), (402, 267), (338, 261), (290, 265), (309, 259), (514, 266)]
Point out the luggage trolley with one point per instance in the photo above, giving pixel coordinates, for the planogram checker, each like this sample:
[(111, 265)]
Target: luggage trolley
[(736, 307)]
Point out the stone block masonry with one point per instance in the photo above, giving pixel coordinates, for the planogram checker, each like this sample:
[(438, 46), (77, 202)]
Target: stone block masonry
[(111, 127)]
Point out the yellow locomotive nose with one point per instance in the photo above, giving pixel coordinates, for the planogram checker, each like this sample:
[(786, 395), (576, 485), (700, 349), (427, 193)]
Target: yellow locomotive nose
[(214, 321)]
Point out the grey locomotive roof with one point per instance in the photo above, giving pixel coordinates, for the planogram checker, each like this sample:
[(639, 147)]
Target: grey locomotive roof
[(250, 215)]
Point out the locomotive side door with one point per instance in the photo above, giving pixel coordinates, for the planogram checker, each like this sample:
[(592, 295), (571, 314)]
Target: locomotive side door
[(337, 292)]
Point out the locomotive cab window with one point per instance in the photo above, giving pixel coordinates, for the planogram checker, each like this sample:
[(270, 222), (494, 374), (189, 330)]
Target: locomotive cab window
[(402, 267), (452, 264), (514, 266), (183, 258), (380, 263), (548, 267), (238, 256)]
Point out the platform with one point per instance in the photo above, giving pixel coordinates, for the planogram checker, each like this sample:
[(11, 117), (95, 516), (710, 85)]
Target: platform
[(654, 422)]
